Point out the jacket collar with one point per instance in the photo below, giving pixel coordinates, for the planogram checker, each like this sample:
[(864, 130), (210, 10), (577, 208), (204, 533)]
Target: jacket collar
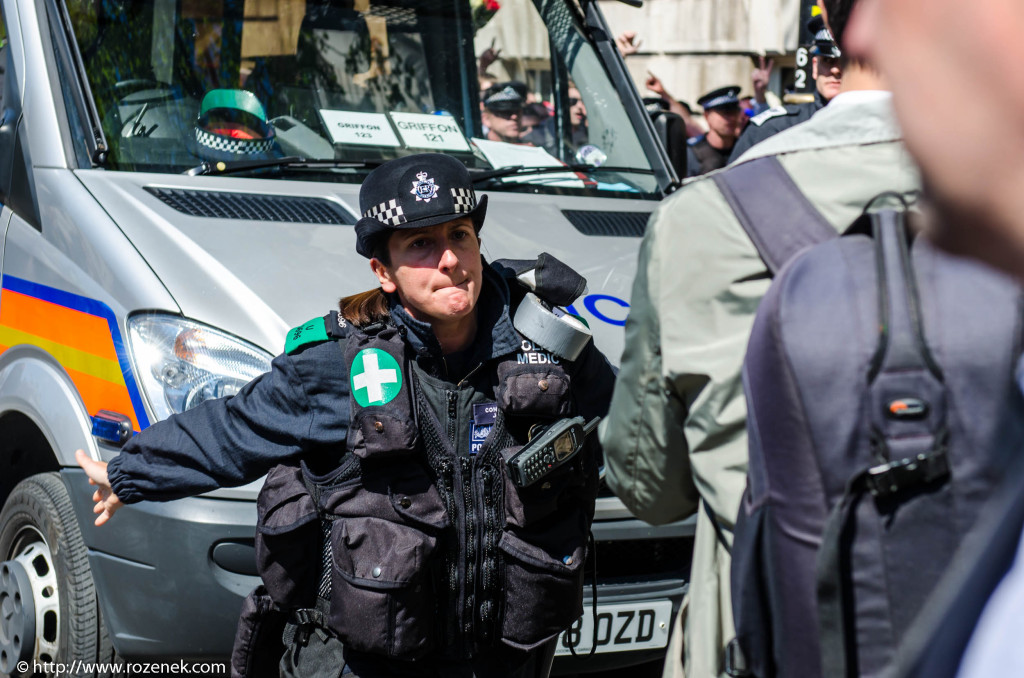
[(496, 336)]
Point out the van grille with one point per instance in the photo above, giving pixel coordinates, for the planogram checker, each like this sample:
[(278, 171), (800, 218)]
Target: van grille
[(637, 560), (253, 207), (620, 224)]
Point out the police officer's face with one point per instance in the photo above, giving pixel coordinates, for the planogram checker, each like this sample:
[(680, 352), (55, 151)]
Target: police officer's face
[(436, 271), (503, 125), (829, 76), (726, 122)]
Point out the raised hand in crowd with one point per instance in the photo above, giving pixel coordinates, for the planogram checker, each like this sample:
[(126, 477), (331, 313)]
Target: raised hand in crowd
[(760, 79), (628, 43)]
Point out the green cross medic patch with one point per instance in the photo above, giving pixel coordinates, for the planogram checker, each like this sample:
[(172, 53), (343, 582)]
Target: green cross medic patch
[(375, 377)]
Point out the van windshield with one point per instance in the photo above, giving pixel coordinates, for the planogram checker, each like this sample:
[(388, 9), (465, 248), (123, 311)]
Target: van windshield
[(182, 82)]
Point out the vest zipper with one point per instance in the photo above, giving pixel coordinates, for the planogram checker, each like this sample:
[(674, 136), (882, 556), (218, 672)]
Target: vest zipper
[(469, 503), (446, 476), (489, 563), (453, 419)]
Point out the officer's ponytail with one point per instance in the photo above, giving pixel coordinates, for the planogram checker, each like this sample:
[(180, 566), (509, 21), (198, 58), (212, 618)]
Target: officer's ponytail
[(365, 308)]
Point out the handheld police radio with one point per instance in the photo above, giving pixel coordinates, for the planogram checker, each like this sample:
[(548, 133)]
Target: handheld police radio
[(553, 447)]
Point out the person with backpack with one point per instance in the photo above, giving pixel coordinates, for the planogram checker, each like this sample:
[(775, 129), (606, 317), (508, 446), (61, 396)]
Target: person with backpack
[(675, 440), (393, 535), (970, 628)]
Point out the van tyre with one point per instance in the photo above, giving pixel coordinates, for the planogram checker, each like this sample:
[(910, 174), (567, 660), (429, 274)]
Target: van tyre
[(40, 544)]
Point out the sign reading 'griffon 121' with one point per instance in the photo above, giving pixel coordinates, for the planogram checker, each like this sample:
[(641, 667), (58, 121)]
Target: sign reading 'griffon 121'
[(422, 130)]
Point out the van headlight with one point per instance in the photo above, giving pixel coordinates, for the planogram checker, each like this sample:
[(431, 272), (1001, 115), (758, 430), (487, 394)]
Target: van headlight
[(181, 363)]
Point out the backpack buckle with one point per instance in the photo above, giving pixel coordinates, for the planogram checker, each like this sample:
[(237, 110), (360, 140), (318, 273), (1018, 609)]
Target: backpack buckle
[(887, 480)]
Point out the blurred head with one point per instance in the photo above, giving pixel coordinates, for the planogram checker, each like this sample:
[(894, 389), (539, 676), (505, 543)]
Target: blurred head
[(938, 52)]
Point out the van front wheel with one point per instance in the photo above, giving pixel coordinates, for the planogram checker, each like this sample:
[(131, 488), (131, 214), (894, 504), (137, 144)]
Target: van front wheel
[(48, 607)]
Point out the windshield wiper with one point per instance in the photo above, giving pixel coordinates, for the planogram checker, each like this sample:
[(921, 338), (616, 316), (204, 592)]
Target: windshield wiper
[(235, 167), (522, 171)]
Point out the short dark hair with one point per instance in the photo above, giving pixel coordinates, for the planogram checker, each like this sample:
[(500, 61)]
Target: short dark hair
[(838, 17)]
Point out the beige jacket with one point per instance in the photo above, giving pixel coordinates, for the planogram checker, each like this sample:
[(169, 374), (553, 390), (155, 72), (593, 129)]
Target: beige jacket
[(675, 435)]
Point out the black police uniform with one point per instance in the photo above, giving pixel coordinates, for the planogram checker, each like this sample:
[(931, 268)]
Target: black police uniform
[(702, 157), (394, 526), (769, 123)]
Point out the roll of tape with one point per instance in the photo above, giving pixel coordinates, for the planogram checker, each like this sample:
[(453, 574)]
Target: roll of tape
[(559, 333)]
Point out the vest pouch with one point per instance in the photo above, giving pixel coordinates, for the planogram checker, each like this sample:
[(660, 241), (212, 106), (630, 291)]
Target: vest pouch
[(258, 642), (381, 433), (287, 532), (384, 539), (553, 575), (533, 390), (526, 508), (381, 599)]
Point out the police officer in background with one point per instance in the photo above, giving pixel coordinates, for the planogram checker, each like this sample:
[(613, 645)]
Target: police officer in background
[(502, 110), (390, 531), (725, 123), (828, 74)]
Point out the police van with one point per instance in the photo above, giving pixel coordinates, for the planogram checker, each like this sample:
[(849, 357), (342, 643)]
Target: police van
[(179, 181)]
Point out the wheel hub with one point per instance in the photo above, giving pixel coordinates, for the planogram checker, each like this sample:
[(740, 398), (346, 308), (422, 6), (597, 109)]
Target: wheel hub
[(17, 615)]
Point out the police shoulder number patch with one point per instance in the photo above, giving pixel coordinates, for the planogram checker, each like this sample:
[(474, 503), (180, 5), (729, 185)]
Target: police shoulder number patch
[(311, 332), (764, 116), (375, 377)]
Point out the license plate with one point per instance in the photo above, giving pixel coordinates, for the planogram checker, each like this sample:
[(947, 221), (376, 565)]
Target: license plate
[(620, 628)]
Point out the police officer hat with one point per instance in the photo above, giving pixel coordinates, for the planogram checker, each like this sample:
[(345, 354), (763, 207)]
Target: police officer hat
[(505, 97), (415, 191), (722, 97), (822, 44)]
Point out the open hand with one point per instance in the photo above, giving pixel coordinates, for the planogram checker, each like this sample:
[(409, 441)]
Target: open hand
[(106, 501)]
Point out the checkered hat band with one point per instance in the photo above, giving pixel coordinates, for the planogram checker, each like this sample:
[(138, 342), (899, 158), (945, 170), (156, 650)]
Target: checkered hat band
[(389, 213), (219, 143), (464, 199)]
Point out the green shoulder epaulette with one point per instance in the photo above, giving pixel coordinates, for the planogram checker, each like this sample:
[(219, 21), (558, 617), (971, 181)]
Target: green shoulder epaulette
[(316, 331)]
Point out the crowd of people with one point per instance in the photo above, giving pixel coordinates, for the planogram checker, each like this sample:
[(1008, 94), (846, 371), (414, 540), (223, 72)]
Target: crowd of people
[(712, 411)]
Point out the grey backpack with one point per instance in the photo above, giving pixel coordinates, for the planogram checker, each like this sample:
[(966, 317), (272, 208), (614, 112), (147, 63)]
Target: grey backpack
[(882, 410)]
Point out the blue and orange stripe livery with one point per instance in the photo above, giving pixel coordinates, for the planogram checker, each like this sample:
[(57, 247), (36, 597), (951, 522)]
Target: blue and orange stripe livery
[(82, 335)]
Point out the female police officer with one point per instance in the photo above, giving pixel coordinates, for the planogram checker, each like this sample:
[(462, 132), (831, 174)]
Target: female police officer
[(388, 519)]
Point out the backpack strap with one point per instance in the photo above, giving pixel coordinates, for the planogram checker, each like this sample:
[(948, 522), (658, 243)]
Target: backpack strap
[(906, 407), (775, 213)]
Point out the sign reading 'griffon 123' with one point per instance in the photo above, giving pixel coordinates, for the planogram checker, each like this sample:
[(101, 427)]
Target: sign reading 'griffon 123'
[(361, 129), (438, 132)]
